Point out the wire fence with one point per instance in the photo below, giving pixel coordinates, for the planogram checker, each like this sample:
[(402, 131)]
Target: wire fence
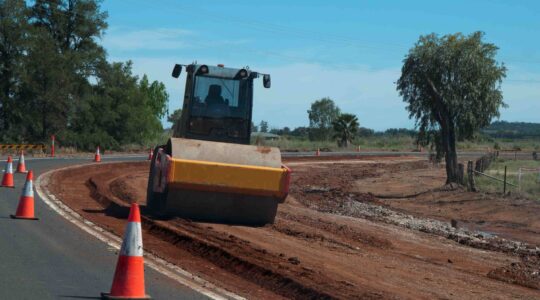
[(492, 174), (526, 176)]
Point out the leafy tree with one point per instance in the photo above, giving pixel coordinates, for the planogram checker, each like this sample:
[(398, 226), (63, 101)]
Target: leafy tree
[(13, 26), (400, 132), (300, 132), (263, 126), (47, 86), (322, 114), (62, 54), (55, 79), (174, 118), (365, 132), (451, 84), (285, 131), (281, 131), (345, 128), (116, 112), (156, 96)]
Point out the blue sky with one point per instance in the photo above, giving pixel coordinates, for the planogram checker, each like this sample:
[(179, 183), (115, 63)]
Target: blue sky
[(350, 51)]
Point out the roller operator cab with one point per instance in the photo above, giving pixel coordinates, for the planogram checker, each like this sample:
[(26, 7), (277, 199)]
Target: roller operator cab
[(218, 102), (208, 171)]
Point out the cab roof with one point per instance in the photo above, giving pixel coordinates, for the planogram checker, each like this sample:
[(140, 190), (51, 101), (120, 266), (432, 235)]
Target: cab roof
[(218, 71)]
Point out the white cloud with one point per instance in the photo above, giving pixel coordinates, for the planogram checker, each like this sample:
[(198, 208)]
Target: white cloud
[(151, 39), (521, 91), (369, 93), (119, 40)]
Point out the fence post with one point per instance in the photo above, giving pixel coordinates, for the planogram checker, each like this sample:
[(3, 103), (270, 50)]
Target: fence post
[(470, 175), (519, 179), (504, 189), (461, 171)]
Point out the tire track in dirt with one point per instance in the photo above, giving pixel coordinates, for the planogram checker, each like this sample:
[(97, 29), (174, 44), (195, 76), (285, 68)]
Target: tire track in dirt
[(310, 252)]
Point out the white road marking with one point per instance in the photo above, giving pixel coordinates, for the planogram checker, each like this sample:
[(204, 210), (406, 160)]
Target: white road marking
[(113, 241), (89, 157)]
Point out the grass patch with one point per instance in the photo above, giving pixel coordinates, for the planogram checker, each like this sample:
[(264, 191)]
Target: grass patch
[(529, 185), (384, 143)]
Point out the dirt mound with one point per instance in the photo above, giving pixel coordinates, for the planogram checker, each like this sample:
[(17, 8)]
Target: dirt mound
[(320, 246)]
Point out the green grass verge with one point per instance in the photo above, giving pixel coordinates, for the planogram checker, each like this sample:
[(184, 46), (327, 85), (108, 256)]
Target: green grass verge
[(396, 143), (529, 185)]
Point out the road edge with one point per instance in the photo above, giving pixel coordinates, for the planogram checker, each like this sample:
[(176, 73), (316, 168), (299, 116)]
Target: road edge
[(162, 266)]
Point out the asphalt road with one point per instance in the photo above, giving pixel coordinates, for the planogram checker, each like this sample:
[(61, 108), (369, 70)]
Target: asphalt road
[(53, 259)]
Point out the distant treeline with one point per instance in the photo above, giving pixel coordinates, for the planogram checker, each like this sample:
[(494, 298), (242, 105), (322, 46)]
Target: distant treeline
[(513, 130), (497, 129), (55, 79), (303, 132)]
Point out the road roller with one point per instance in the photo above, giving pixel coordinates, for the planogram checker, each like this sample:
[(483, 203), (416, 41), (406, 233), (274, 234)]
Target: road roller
[(208, 171)]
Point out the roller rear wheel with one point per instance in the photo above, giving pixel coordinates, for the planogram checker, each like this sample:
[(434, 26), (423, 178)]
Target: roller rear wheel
[(155, 201)]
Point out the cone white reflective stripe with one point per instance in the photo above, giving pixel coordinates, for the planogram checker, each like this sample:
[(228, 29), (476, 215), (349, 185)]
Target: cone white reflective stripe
[(9, 168), (28, 189), (97, 151), (132, 244), (21, 159)]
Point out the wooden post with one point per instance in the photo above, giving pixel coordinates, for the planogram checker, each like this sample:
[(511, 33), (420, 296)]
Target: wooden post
[(461, 171), (482, 164), (504, 189), (519, 179), (470, 174)]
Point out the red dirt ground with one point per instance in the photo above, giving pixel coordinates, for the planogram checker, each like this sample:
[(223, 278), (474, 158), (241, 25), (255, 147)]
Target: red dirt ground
[(317, 248)]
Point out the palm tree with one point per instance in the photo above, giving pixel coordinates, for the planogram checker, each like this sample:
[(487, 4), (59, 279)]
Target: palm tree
[(345, 128)]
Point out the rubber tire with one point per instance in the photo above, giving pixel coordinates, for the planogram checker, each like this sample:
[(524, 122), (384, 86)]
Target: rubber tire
[(155, 202)]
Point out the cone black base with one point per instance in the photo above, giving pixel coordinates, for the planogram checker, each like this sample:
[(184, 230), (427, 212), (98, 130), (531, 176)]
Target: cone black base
[(108, 296), (22, 218)]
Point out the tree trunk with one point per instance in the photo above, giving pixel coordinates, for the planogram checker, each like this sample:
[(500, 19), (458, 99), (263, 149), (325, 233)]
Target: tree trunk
[(449, 145)]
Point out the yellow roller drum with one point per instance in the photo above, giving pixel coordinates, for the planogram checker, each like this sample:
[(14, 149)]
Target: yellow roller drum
[(228, 178)]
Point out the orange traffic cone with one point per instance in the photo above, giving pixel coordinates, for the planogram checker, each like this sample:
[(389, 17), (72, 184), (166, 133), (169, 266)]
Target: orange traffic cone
[(21, 166), (25, 210), (150, 154), (97, 157), (128, 282), (7, 180), (318, 153)]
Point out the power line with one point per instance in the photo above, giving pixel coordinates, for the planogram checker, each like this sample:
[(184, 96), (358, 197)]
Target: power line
[(324, 38), (320, 37)]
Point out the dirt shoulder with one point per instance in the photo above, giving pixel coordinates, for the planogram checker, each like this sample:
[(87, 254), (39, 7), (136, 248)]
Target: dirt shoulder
[(417, 192), (322, 245)]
